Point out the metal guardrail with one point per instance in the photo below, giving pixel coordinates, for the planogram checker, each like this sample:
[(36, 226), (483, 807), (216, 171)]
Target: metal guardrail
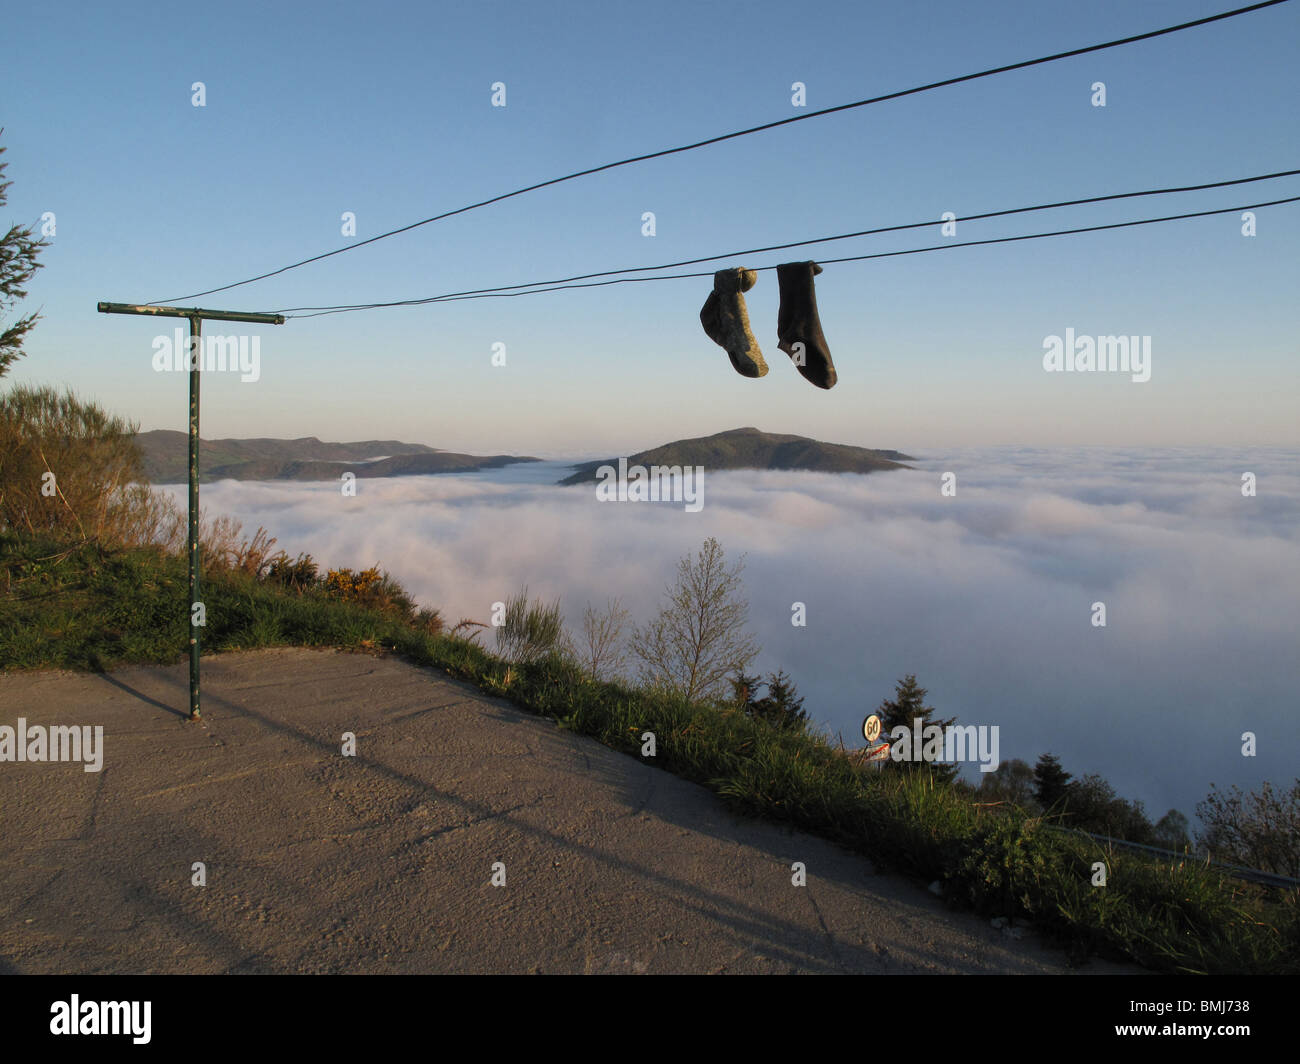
[(1253, 875)]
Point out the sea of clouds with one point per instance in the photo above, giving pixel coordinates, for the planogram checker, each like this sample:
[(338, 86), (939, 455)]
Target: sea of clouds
[(986, 596)]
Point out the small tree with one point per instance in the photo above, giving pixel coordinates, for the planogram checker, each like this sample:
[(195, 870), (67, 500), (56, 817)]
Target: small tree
[(1012, 782), (1172, 831), (904, 710), (699, 638), (18, 254), (602, 652), (1051, 782)]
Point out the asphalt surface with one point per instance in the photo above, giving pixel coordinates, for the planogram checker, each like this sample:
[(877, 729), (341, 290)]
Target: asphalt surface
[(318, 862)]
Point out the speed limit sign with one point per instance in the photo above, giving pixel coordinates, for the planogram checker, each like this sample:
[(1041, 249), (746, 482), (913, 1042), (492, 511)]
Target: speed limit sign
[(871, 728)]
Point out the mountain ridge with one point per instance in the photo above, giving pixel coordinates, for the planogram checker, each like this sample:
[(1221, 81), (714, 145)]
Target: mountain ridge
[(751, 448), (165, 453), (306, 458)]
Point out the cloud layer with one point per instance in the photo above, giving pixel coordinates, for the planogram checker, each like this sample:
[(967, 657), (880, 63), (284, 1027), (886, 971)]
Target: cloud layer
[(986, 596)]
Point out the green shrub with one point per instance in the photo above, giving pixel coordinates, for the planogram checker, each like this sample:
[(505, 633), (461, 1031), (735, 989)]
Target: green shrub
[(65, 465), (529, 631)]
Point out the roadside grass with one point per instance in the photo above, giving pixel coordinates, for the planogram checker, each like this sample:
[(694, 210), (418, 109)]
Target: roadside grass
[(87, 607)]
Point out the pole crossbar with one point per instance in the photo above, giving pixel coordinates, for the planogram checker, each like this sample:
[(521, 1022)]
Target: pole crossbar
[(188, 312), (196, 316)]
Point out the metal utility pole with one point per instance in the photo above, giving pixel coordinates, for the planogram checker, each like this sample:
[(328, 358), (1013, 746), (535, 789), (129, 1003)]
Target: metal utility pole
[(195, 316)]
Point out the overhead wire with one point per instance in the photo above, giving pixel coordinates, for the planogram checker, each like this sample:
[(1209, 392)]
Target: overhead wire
[(1023, 64), (505, 294), (848, 258), (566, 281)]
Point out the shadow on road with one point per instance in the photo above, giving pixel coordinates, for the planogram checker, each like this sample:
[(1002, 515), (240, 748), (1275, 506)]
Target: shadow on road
[(110, 679)]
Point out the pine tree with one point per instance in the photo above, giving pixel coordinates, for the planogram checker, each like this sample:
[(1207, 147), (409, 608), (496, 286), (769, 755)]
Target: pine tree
[(782, 706), (1051, 781), (18, 251), (904, 710)]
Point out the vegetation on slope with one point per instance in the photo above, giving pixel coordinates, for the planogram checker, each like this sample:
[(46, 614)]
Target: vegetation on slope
[(90, 606), (93, 575)]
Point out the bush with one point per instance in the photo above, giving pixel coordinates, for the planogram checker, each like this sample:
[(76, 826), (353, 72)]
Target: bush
[(1091, 804), (299, 574), (371, 588), (71, 472), (429, 622), (530, 632), (66, 467), (1012, 782), (1006, 862), (1259, 830)]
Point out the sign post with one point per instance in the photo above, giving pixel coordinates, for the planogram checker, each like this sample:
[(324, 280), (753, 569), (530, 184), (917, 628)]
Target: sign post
[(877, 749), (195, 316)]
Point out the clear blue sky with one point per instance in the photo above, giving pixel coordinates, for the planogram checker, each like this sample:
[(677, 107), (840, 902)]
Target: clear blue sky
[(384, 109)]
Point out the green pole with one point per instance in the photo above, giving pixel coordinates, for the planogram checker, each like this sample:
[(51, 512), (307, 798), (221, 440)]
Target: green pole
[(196, 365), (196, 316)]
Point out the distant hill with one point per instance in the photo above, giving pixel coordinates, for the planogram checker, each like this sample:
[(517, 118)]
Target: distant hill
[(749, 448), (166, 454)]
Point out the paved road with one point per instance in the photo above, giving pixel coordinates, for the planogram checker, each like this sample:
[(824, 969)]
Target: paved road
[(382, 862)]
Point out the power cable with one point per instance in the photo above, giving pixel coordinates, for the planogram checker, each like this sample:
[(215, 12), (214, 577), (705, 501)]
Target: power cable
[(793, 244), (849, 258), (746, 132)]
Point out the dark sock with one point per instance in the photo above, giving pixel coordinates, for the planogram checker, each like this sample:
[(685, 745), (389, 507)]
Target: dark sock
[(797, 323)]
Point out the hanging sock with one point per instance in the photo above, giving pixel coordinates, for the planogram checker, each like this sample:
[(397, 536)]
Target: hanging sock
[(797, 323), (726, 320)]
